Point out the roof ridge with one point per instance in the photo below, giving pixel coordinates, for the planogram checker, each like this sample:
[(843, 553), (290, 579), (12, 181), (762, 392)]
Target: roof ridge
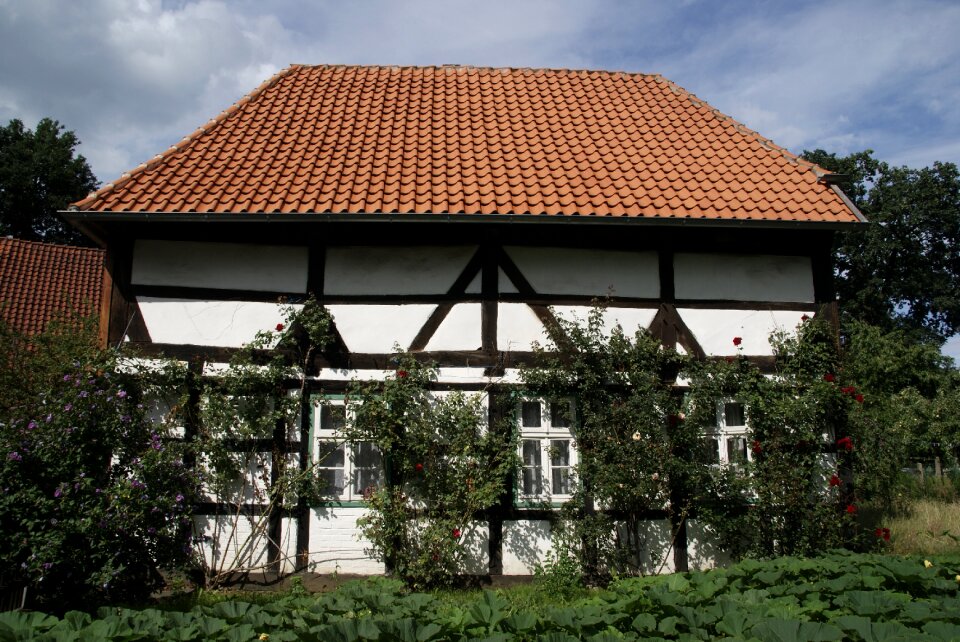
[(187, 140), (606, 72), (765, 142)]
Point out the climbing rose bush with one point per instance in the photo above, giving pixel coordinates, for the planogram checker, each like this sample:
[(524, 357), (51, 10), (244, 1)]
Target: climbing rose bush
[(96, 499)]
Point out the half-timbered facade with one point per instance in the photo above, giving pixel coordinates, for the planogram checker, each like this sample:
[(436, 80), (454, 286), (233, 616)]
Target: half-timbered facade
[(453, 211)]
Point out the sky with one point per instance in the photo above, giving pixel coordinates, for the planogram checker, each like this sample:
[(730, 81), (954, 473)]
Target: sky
[(132, 77)]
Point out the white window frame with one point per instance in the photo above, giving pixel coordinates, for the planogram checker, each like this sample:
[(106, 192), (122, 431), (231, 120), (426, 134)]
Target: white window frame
[(542, 438), (322, 434), (727, 436)]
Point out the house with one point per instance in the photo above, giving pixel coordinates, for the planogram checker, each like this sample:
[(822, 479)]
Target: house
[(453, 211), (43, 281)]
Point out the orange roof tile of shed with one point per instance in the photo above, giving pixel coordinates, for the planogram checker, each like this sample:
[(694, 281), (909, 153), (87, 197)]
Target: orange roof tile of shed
[(476, 141), (40, 281)]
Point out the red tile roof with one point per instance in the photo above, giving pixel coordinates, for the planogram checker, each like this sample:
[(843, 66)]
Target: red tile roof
[(38, 281), (432, 140)]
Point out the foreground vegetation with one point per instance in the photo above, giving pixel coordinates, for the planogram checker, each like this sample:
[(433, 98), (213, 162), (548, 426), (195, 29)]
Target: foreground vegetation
[(837, 596)]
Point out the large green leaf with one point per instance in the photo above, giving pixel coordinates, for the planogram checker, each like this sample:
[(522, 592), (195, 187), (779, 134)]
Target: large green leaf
[(779, 630)]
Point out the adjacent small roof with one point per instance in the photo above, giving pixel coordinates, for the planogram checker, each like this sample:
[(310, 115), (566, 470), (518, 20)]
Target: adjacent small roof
[(476, 141), (38, 281)]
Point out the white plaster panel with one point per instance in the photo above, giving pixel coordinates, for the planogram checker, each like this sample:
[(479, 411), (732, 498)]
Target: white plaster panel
[(703, 550), (267, 268), (460, 330), (336, 544), (476, 548), (377, 328), (630, 319), (504, 284), (716, 329), (231, 541), (288, 545), (447, 375), (657, 549), (526, 544), (743, 278), (554, 270), (518, 328), (475, 286), (228, 324), (394, 270)]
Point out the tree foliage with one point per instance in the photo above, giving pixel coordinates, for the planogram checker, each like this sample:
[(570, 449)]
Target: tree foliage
[(903, 270), (40, 174)]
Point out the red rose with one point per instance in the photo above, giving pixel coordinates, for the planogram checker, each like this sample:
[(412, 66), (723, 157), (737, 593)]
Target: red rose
[(859, 398), (834, 481), (456, 533), (848, 390), (419, 468), (737, 341), (757, 448), (804, 318), (829, 377), (851, 509), (279, 327), (882, 533), (401, 374), (846, 443)]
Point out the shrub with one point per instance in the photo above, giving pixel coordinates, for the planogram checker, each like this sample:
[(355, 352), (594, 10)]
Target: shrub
[(95, 497)]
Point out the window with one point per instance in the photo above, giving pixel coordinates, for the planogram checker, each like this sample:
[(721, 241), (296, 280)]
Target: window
[(727, 442), (547, 450), (350, 470)]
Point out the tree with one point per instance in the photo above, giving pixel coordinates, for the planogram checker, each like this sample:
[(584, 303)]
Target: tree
[(39, 175), (904, 269)]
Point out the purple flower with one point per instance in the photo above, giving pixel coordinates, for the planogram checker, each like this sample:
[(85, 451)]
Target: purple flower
[(14, 456), (31, 425), (84, 394), (122, 394), (49, 418), (57, 493), (98, 491), (47, 566), (179, 498), (68, 407), (67, 377), (151, 530)]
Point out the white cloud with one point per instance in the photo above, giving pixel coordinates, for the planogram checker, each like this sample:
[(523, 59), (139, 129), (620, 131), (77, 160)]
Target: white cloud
[(133, 78)]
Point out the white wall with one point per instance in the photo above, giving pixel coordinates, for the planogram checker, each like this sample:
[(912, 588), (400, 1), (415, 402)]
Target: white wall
[(232, 541), (737, 277), (378, 328), (228, 324), (716, 329), (336, 545), (460, 330), (269, 268), (525, 546), (554, 270), (394, 270)]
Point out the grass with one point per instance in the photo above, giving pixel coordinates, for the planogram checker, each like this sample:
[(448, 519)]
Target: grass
[(920, 528)]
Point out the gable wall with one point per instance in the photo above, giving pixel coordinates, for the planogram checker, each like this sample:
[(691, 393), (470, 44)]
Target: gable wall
[(476, 308)]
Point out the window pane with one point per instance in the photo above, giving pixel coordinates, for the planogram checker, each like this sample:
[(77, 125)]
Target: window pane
[(330, 454), (531, 414), (332, 417), (711, 449), (332, 481), (531, 452), (560, 414), (366, 479), (561, 481), (737, 450), (532, 481), (559, 452), (366, 455), (733, 414)]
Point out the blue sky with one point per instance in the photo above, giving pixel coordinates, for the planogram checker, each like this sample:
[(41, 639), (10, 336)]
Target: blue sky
[(131, 77)]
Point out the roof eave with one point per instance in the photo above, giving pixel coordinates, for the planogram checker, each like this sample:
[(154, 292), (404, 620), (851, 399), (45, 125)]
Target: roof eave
[(78, 216)]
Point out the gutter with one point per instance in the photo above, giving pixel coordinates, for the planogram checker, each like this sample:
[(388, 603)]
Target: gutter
[(78, 217)]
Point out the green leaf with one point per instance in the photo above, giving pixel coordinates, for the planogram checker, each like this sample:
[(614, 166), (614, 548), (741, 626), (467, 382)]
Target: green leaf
[(779, 630), (644, 623)]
